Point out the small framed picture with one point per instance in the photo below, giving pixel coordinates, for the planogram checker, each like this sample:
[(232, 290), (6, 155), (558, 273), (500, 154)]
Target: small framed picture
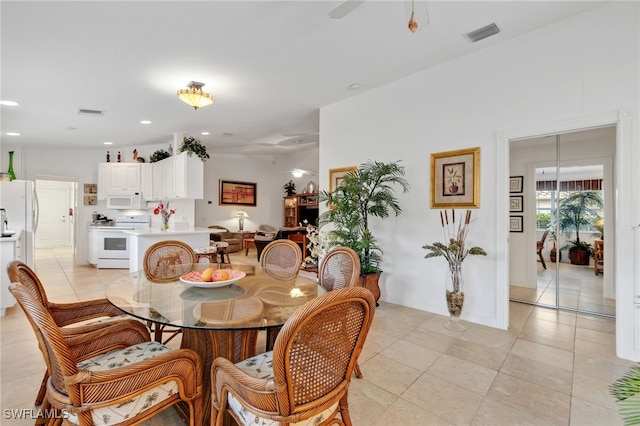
[(515, 184), (515, 224), (515, 204)]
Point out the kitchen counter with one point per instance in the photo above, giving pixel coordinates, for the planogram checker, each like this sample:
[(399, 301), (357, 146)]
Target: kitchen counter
[(151, 232), (141, 239)]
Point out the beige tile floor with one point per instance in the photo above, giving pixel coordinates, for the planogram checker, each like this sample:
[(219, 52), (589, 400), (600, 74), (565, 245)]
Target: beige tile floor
[(580, 289), (549, 368)]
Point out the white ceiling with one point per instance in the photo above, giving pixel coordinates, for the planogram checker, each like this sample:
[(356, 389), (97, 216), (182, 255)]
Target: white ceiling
[(270, 65)]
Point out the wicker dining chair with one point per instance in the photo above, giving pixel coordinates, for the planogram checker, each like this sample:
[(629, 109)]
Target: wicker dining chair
[(340, 268), (165, 261), (114, 382), (66, 315), (307, 375), (281, 259)]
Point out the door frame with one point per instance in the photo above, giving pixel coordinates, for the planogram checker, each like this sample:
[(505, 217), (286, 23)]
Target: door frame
[(74, 227), (627, 202)]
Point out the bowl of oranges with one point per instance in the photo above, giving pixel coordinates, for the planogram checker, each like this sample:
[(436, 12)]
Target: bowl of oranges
[(211, 277)]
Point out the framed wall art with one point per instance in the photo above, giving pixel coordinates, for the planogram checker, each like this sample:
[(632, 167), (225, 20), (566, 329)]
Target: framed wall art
[(515, 184), (515, 204), (515, 224), (455, 178), (237, 193), (336, 176)]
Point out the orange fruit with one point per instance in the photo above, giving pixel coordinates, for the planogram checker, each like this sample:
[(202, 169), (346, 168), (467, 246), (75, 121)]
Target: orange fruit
[(220, 275), (207, 275)]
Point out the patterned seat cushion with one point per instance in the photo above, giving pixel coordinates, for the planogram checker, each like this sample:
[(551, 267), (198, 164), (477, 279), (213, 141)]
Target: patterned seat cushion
[(115, 414), (261, 367)]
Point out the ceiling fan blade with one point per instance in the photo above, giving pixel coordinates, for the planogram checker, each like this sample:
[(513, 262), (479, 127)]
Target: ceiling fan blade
[(344, 8)]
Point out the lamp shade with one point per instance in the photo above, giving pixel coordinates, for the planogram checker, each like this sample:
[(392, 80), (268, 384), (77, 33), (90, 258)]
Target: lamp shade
[(241, 213), (194, 95)]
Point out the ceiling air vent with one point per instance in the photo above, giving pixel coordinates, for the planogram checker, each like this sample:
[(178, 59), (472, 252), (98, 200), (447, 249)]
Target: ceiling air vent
[(84, 111), (482, 33)]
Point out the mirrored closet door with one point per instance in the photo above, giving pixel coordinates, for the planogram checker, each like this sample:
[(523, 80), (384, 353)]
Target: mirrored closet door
[(561, 209)]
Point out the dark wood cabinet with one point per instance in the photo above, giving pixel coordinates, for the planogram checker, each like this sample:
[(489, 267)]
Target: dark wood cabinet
[(300, 207)]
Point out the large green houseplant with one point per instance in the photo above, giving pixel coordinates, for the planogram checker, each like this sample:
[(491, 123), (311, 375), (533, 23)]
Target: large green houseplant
[(366, 192), (576, 211)]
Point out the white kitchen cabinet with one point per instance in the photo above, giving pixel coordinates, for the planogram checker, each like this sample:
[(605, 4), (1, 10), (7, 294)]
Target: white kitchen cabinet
[(146, 181), (9, 250), (178, 177), (93, 248), (188, 177), (118, 178)]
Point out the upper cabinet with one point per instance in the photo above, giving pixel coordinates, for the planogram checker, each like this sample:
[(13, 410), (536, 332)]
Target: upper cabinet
[(118, 178), (178, 177)]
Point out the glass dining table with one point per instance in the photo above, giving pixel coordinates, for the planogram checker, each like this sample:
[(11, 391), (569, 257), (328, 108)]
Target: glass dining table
[(217, 319)]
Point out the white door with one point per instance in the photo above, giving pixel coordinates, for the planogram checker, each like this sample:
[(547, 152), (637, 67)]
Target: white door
[(55, 224)]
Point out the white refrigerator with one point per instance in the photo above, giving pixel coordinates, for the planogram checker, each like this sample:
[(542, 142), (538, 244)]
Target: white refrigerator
[(20, 202)]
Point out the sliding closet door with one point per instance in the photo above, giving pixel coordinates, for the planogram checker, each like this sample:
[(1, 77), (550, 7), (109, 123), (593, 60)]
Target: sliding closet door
[(557, 260)]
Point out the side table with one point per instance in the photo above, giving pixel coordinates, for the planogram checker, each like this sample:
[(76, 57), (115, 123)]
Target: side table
[(249, 243)]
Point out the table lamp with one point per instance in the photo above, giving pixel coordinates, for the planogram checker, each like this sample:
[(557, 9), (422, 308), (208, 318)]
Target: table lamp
[(241, 214)]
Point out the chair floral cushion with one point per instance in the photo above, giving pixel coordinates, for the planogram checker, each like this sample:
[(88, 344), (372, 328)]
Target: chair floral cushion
[(261, 367), (116, 414)]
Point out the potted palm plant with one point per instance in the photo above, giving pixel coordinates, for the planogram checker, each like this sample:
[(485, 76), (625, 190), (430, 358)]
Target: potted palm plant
[(366, 192), (577, 211)]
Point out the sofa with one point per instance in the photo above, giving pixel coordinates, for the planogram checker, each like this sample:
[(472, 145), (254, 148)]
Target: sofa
[(234, 239)]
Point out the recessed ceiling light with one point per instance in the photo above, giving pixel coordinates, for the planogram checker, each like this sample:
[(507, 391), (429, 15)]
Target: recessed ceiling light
[(224, 134), (145, 122), (204, 133), (9, 103), (108, 143), (12, 134), (354, 86)]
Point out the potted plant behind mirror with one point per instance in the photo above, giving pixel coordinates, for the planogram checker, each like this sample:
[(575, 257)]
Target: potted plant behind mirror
[(576, 211), (368, 191)]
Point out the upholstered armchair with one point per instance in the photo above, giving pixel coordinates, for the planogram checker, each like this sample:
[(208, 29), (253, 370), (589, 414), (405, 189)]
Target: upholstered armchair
[(264, 235), (234, 239)]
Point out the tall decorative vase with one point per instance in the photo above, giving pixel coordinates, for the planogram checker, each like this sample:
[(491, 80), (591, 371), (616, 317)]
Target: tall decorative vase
[(455, 297), (12, 175)]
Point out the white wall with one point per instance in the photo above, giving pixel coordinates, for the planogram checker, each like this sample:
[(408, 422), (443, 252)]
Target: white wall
[(576, 67)]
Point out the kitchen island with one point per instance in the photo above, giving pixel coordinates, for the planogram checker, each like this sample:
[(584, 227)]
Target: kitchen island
[(9, 251), (141, 239)]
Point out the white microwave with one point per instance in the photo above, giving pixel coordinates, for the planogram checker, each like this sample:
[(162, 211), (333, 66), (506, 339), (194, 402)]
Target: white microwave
[(124, 201)]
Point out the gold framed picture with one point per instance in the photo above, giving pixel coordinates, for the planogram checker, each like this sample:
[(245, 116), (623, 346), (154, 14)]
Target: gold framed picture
[(455, 178), (336, 176)]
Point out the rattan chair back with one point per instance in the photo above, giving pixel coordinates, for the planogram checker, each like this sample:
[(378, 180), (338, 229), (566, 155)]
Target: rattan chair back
[(21, 272), (61, 361), (340, 268), (313, 360), (166, 260), (281, 259)]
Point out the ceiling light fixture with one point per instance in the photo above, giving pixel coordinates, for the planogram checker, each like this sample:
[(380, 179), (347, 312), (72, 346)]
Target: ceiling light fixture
[(9, 103), (194, 95)]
